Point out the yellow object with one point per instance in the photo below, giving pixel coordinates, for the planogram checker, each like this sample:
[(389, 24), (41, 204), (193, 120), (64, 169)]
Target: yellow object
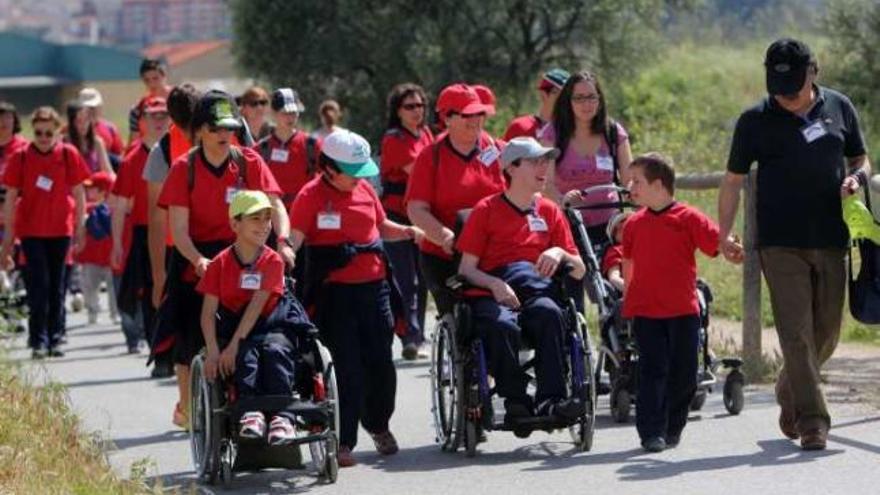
[(860, 220), (245, 203)]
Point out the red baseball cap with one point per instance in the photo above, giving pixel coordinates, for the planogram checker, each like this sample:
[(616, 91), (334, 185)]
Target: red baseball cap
[(460, 98), (487, 97), (155, 104), (101, 180)]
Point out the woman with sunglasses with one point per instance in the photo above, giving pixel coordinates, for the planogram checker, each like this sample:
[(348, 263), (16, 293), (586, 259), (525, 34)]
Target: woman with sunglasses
[(46, 199), (594, 150), (254, 107), (405, 137), (197, 193)]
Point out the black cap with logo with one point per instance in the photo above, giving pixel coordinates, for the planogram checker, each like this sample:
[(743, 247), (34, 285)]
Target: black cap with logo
[(787, 62)]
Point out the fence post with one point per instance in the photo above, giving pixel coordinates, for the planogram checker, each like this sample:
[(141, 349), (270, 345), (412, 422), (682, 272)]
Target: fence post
[(751, 330)]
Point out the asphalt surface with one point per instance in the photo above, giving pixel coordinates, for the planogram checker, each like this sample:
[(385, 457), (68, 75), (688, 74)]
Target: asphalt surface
[(719, 453)]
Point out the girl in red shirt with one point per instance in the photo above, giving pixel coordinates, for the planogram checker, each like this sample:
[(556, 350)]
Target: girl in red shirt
[(405, 137), (46, 199)]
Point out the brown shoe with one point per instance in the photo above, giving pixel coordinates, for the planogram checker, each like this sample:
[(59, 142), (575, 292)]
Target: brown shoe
[(386, 444), (814, 439), (344, 457), (787, 423)]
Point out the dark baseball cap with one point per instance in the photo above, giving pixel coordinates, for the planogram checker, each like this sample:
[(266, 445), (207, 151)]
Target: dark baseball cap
[(216, 108), (787, 62)]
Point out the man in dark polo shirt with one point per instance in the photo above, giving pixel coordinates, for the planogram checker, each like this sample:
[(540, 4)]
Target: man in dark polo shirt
[(810, 152)]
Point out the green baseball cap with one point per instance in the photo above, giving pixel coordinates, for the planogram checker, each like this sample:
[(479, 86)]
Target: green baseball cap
[(248, 202)]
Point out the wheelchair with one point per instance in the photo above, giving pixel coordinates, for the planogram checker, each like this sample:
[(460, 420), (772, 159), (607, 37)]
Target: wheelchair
[(218, 451), (461, 389), (618, 353)]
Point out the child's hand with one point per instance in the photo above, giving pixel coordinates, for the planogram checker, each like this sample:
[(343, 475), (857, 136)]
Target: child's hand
[(212, 361), (227, 358)]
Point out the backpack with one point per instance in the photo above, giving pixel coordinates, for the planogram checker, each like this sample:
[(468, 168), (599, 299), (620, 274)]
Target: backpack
[(611, 141), (99, 223), (234, 154)]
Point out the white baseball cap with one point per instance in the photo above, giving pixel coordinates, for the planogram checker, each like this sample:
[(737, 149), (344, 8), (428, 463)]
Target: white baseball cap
[(350, 152), (90, 97)]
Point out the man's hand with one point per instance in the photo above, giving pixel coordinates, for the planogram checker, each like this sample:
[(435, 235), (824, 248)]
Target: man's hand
[(116, 257), (732, 249), (158, 289), (849, 186), (573, 197), (212, 363), (503, 294), (548, 262), (448, 243)]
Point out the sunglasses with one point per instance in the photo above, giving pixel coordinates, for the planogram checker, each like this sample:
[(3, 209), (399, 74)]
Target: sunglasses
[(48, 134), (412, 106), (258, 103), (213, 129), (585, 98)]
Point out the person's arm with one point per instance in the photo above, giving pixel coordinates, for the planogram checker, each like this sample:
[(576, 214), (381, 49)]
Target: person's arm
[(624, 158), (859, 174), (179, 216), (419, 213), (245, 325), (502, 292), (79, 216), (615, 277), (627, 274), (103, 157), (393, 231), (209, 331), (281, 223), (120, 206), (728, 203), (157, 228), (9, 207)]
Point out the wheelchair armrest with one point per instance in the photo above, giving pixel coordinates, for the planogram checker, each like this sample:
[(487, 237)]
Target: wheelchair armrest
[(457, 283)]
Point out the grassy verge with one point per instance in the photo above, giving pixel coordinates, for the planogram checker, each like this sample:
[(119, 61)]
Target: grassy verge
[(43, 449)]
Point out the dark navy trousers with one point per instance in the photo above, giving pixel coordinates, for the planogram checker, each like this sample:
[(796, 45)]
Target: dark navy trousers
[(44, 282), (404, 257), (667, 373)]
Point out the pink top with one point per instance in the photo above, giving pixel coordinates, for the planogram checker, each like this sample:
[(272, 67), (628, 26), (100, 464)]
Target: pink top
[(574, 171)]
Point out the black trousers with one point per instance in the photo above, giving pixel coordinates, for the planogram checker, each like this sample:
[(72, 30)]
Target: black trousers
[(357, 327), (404, 257), (667, 373), (44, 281), (436, 271)]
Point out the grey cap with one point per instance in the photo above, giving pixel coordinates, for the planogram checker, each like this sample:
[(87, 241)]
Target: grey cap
[(525, 147)]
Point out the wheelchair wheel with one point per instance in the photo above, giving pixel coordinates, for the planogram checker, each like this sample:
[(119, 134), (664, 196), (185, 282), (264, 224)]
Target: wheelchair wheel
[(324, 452), (471, 438), (734, 397), (205, 437), (329, 470), (698, 400), (446, 383), (583, 430)]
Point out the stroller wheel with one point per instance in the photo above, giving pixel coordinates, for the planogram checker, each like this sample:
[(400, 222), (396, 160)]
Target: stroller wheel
[(734, 397), (698, 400), (621, 404)]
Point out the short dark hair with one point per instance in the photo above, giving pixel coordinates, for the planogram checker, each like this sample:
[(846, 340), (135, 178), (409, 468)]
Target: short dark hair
[(326, 163), (655, 166), (7, 107), (149, 64), (181, 105)]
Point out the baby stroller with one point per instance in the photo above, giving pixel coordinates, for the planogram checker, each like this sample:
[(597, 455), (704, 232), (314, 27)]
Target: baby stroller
[(618, 353)]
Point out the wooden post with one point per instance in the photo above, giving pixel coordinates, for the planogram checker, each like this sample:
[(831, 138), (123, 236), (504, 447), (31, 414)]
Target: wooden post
[(751, 330)]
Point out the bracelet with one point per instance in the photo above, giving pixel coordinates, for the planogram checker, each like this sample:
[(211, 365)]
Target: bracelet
[(861, 176)]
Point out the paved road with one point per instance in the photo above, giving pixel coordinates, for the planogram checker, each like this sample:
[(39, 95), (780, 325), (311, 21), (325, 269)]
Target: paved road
[(719, 453)]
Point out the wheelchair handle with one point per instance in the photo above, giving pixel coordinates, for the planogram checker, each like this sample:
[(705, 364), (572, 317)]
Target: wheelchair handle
[(605, 187)]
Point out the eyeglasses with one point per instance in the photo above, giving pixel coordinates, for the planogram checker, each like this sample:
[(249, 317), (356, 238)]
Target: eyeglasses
[(585, 98), (412, 106), (48, 134), (258, 103), (213, 129)]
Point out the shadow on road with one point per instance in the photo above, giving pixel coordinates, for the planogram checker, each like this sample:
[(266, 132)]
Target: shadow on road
[(251, 483), (127, 443)]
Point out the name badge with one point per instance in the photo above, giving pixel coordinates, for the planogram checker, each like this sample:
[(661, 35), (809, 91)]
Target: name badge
[(279, 155), (329, 221), (230, 193), (44, 183), (537, 224), (489, 155), (605, 162), (814, 131), (250, 280)]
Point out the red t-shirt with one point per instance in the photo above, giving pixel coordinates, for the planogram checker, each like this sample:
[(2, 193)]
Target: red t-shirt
[(613, 257), (288, 161), (234, 282), (16, 143), (96, 252), (43, 181), (110, 135), (130, 182), (208, 201), (524, 126), (400, 147), (499, 233), (661, 246), (456, 183), (328, 217)]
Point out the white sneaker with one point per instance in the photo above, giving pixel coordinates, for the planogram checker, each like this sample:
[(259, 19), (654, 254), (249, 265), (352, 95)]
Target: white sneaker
[(281, 431), (253, 425), (78, 302)]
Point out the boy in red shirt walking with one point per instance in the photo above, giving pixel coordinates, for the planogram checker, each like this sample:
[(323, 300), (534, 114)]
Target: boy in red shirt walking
[(95, 258), (660, 271)]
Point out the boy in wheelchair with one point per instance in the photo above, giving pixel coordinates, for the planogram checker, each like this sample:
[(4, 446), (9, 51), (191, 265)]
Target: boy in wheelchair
[(512, 244), (249, 320)]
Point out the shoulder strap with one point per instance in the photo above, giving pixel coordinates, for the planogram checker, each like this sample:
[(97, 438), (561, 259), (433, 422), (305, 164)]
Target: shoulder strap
[(611, 140), (191, 167), (265, 148), (237, 157), (165, 146), (311, 154)]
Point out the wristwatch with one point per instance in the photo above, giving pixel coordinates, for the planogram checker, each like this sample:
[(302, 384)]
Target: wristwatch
[(285, 240)]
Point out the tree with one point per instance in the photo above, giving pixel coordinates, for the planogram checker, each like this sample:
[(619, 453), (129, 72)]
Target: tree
[(356, 50)]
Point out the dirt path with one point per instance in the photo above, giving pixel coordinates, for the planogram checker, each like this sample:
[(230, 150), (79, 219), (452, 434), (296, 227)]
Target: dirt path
[(851, 376)]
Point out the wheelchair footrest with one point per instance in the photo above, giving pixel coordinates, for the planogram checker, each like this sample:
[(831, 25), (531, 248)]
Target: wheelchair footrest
[(256, 455), (313, 412), (535, 423)]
